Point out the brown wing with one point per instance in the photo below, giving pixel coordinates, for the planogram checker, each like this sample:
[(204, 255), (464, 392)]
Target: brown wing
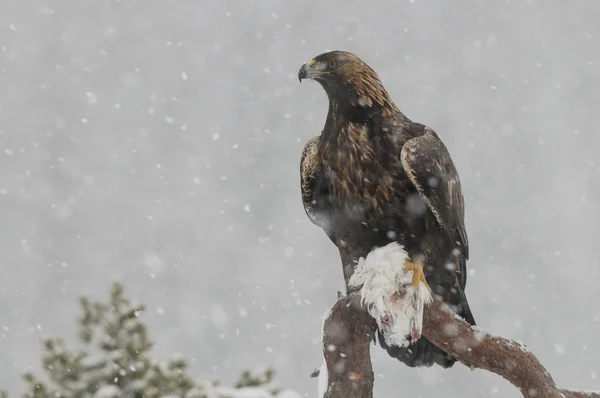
[(315, 190), (428, 164)]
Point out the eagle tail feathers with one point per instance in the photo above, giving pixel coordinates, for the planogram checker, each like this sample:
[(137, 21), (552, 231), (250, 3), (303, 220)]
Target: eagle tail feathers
[(465, 310), (421, 353)]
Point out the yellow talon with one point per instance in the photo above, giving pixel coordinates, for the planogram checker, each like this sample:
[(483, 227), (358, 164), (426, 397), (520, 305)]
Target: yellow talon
[(418, 274)]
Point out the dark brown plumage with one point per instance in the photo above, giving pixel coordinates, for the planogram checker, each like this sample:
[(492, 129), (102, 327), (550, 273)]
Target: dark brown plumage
[(373, 177)]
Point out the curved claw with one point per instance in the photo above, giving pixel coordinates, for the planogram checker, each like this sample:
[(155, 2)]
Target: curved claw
[(418, 274)]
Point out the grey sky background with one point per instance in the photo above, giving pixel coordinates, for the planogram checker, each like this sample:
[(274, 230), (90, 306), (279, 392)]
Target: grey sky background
[(157, 143)]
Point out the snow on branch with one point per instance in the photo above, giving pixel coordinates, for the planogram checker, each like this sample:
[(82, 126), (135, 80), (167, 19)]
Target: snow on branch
[(350, 325), (505, 357)]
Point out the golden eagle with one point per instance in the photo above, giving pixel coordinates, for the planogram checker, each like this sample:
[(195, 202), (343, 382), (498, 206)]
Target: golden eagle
[(373, 177)]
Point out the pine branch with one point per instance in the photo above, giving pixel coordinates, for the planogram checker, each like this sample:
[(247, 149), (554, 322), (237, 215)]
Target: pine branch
[(349, 330)]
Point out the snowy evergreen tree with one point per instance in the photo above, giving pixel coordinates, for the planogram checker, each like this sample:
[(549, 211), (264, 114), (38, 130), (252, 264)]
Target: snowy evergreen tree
[(114, 361)]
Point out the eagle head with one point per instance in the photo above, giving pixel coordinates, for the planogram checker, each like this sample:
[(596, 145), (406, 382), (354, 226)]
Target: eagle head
[(346, 78)]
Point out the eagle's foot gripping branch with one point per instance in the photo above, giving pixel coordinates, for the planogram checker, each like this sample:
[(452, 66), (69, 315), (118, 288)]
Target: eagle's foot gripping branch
[(394, 296)]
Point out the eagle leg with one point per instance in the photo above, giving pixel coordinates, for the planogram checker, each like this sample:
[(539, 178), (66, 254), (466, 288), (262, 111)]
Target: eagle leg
[(418, 274)]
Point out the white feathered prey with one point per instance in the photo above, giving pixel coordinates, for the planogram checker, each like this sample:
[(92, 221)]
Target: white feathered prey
[(388, 295)]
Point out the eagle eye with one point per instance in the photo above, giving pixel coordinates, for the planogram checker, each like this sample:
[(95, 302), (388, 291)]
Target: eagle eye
[(332, 64)]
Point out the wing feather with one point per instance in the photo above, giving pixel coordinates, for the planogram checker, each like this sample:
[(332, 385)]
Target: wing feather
[(428, 164), (315, 191)]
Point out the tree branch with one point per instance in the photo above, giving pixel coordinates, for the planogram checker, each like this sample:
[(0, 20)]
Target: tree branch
[(349, 330), (347, 335)]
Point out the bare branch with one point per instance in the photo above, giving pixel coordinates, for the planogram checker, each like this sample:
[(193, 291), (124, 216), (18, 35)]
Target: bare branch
[(347, 335), (478, 349), (349, 331)]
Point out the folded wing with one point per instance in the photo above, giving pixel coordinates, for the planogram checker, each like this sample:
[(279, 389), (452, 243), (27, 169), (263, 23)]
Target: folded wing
[(315, 191), (428, 164)]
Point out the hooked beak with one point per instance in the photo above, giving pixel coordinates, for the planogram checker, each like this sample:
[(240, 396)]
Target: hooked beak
[(307, 71)]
